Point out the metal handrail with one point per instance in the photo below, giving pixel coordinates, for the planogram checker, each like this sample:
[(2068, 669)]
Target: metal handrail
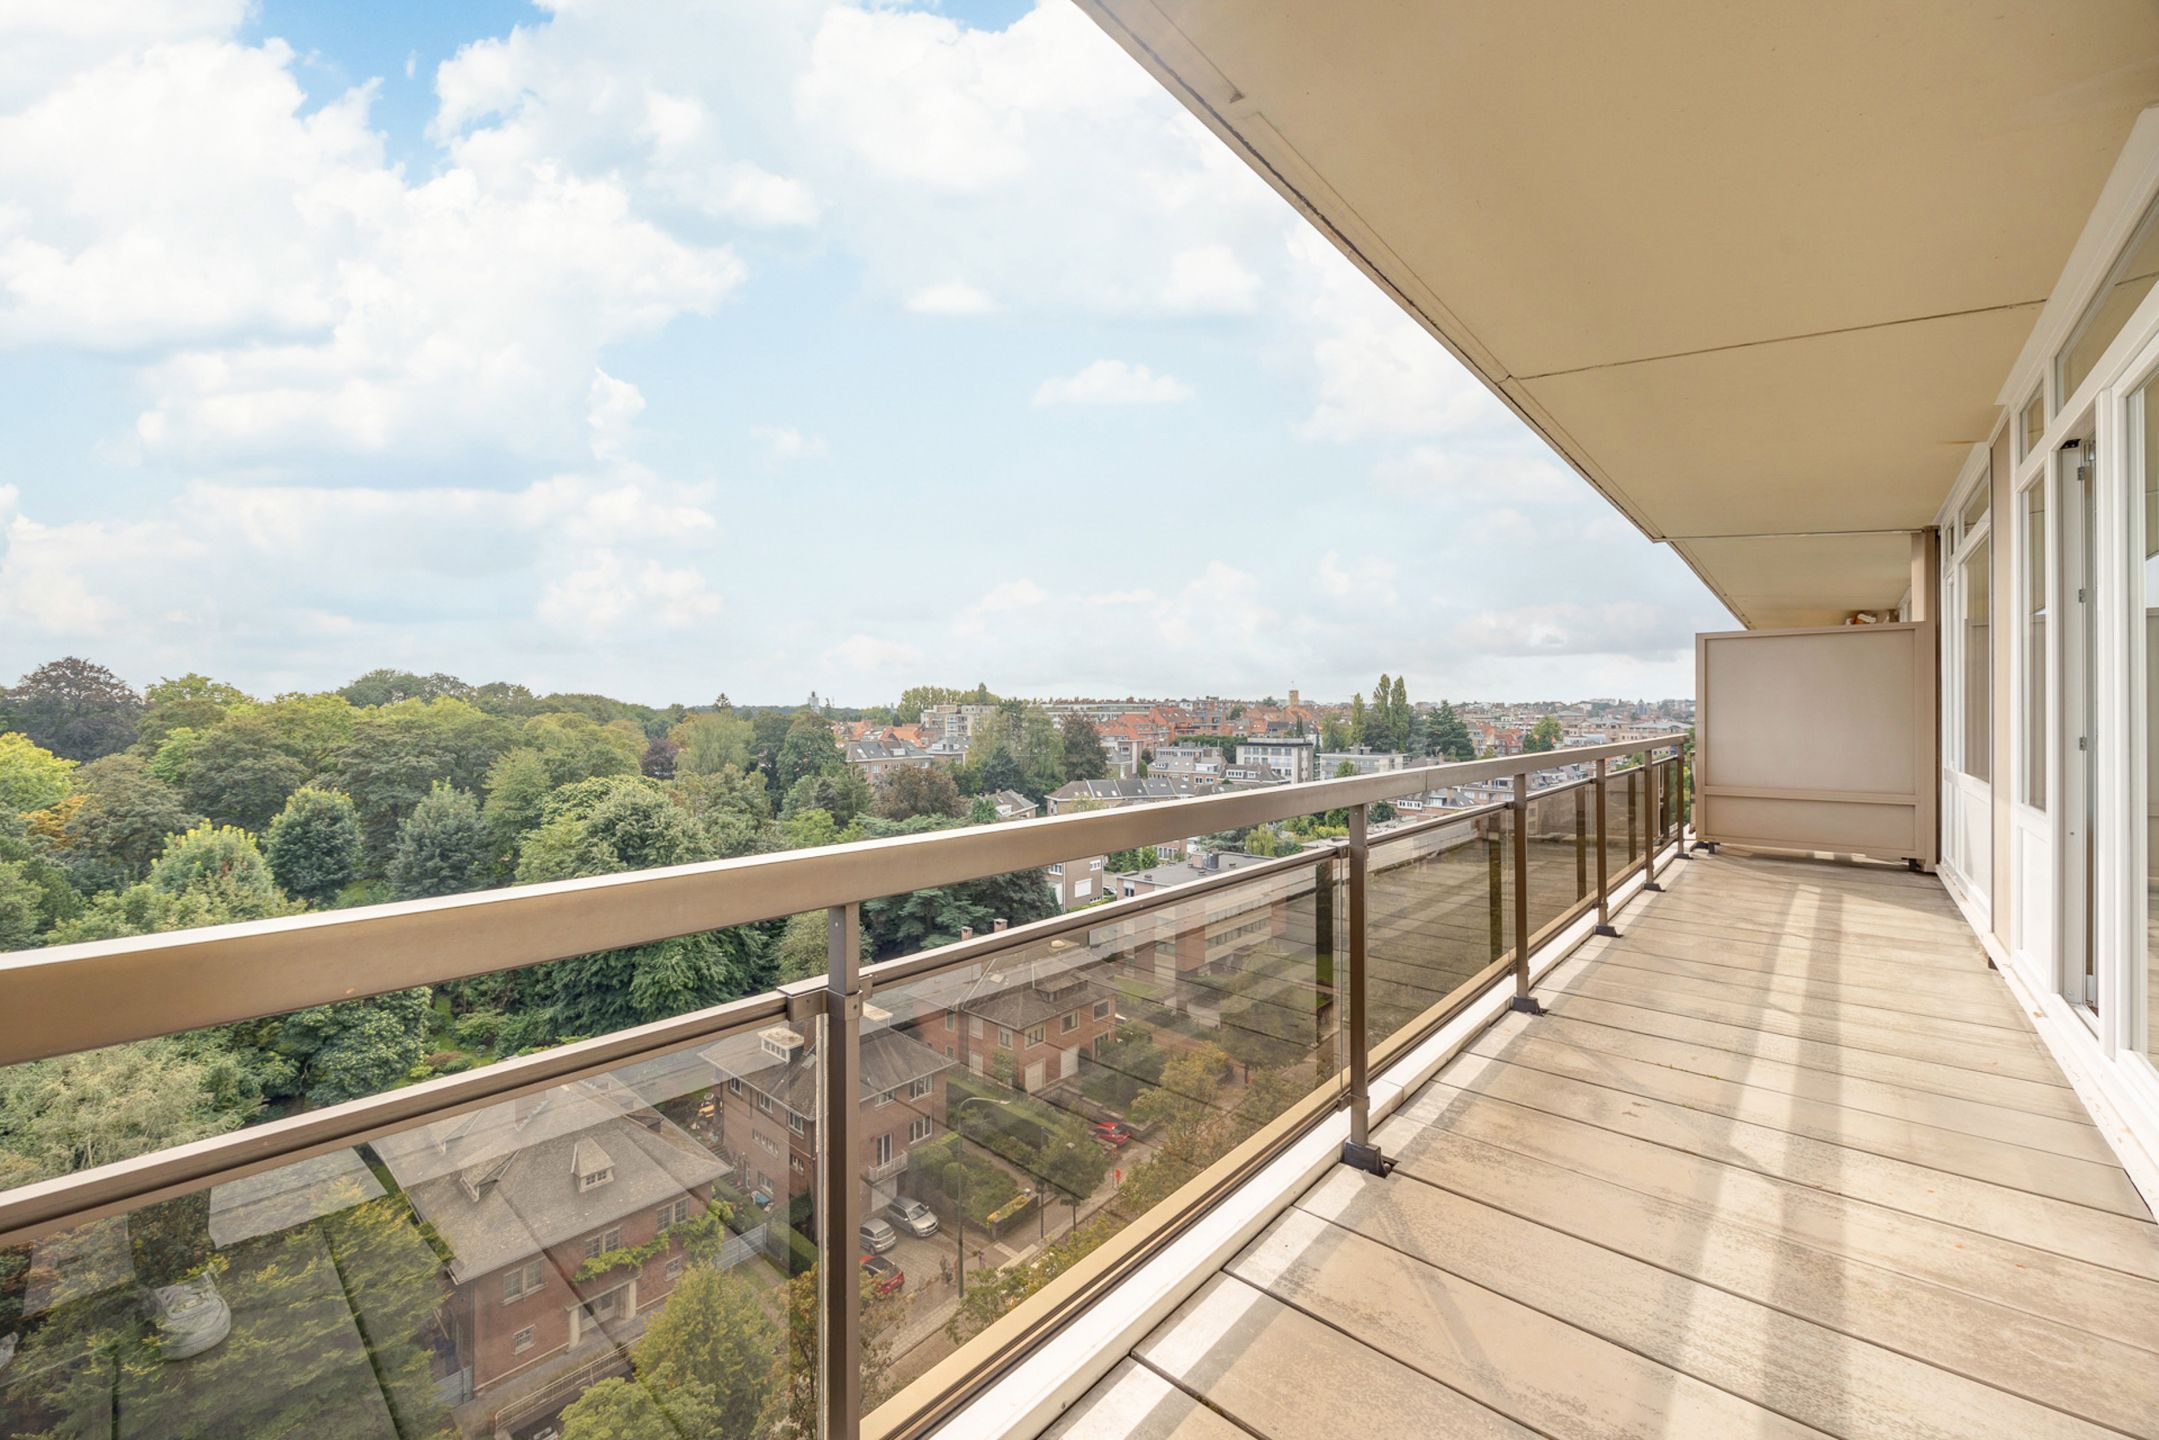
[(70, 998)]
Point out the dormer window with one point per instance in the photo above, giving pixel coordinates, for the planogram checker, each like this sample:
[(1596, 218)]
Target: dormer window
[(592, 1166), (595, 1180)]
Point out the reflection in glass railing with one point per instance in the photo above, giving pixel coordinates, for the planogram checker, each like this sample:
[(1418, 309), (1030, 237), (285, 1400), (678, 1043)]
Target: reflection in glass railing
[(1019, 1111), (625, 1255)]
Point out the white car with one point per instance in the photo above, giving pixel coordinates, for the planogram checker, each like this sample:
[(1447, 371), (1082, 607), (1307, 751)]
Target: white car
[(877, 1237)]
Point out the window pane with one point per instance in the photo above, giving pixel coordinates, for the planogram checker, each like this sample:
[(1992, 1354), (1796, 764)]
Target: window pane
[(2110, 309), (1975, 506), (2035, 646), (1978, 666), (2034, 422)]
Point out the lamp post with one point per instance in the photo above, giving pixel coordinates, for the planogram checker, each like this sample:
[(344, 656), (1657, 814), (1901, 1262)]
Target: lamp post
[(959, 1208)]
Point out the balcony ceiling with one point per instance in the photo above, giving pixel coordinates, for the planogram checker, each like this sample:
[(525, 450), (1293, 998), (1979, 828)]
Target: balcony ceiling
[(1754, 272)]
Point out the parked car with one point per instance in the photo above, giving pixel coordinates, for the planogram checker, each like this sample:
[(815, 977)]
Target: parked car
[(912, 1216), (878, 1237), (882, 1277), (1113, 1133)]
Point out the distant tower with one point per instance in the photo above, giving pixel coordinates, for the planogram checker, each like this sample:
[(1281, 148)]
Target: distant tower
[(1292, 697)]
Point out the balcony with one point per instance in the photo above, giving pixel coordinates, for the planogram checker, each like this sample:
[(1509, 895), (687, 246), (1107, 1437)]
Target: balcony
[(430, 1233)]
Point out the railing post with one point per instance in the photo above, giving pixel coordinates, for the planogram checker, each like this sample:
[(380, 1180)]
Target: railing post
[(1523, 1000), (1652, 821), (1604, 855), (1495, 887), (1686, 851), (1359, 1150), (840, 1278), (1323, 958)]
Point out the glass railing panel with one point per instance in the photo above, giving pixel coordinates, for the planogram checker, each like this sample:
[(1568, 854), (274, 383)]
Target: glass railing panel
[(1623, 823), (1022, 1109), (628, 1253), (1437, 911), (1562, 871)]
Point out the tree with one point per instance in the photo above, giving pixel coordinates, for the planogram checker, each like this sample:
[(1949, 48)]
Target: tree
[(1546, 735), (194, 701), (398, 751), (224, 865), (709, 743), (32, 777), (238, 774), (517, 784), (1127, 861), (126, 816), (1450, 735), (73, 708), (619, 1409), (903, 924), (388, 687), (1084, 758), (356, 1047), (1359, 721), (1333, 733), (804, 948), (100, 1106), (442, 847), (915, 790), (842, 794), (809, 749), (314, 845), (712, 1338)]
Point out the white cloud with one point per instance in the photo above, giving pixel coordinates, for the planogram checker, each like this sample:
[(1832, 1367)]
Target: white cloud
[(1627, 627), (1469, 472), (610, 411), (1113, 382), (784, 443), (1210, 279), (1378, 373), (291, 290), (870, 662), (950, 297), (612, 593)]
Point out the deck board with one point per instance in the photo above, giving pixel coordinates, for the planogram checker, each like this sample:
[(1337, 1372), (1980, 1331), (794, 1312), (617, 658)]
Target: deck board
[(1785, 1158)]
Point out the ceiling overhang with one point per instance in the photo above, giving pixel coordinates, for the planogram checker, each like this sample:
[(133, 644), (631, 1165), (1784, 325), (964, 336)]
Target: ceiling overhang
[(1757, 274)]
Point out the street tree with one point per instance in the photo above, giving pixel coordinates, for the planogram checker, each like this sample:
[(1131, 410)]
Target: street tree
[(915, 790), (1084, 758), (31, 776)]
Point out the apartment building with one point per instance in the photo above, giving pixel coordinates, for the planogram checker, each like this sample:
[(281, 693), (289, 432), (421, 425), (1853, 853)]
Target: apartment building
[(1037, 1018), (1361, 760), (1290, 758), (955, 724), (1187, 760), (875, 759)]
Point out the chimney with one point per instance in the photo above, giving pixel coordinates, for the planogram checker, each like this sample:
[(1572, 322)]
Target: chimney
[(998, 925), (1210, 861)]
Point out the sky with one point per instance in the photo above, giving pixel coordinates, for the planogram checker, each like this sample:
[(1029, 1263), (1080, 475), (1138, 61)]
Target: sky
[(667, 348)]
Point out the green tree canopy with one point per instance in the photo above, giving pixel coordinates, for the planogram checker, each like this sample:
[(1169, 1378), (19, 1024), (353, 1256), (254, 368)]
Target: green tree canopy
[(314, 845), (75, 709), (915, 790), (1544, 736), (1081, 746), (31, 776), (126, 815), (238, 773), (1449, 735), (191, 700), (442, 847), (712, 742), (809, 749)]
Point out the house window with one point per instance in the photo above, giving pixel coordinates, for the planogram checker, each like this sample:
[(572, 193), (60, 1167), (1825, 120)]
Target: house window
[(764, 1102), (522, 1281), (918, 1090), (1068, 1024), (674, 1268), (881, 1149), (522, 1341), (1056, 869), (886, 1097), (796, 1123), (918, 1130), (1004, 1037), (596, 1179), (1036, 1035), (767, 1144), (1101, 1009), (1095, 864), (734, 1086), (675, 1214)]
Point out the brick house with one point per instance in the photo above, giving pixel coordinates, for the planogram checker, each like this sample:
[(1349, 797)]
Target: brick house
[(1041, 1015), (523, 1195), (768, 1105)]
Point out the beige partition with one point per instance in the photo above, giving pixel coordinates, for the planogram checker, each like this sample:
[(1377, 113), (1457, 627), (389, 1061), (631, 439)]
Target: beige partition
[(1818, 739)]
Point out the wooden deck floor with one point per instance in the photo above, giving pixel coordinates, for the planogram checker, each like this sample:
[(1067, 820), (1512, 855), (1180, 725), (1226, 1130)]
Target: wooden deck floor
[(1785, 1159)]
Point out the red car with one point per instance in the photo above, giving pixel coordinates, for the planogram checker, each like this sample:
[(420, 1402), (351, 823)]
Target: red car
[(1113, 1133), (882, 1276)]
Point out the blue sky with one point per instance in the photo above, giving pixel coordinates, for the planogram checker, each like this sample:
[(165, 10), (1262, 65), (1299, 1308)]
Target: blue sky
[(672, 347)]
